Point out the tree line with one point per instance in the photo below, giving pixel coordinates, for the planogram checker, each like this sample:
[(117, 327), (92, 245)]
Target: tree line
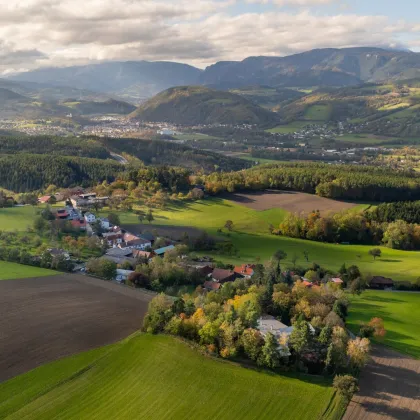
[(350, 227), (348, 182), (409, 211)]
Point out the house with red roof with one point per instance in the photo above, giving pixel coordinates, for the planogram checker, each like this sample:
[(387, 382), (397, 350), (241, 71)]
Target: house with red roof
[(245, 270)]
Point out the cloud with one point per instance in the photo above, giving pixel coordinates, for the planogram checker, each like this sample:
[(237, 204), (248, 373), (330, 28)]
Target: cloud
[(37, 33)]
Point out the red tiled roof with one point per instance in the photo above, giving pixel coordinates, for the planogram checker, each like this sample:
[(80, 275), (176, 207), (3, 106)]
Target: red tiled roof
[(44, 199), (212, 285), (337, 280), (78, 223), (307, 283), (244, 269), (220, 274)]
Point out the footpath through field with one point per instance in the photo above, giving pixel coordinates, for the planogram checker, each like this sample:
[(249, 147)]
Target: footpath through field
[(389, 388)]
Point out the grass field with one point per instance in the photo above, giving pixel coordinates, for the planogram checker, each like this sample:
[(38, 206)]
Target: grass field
[(10, 271), (400, 312), (251, 237), (289, 128), (369, 139), (317, 113), (159, 377), (18, 218)]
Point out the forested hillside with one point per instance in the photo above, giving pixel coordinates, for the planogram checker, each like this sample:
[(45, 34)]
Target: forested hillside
[(334, 181), (53, 145), (25, 172), (154, 152), (196, 105)]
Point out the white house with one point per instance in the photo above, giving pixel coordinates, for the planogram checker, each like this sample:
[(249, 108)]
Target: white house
[(105, 223), (122, 275), (90, 218)]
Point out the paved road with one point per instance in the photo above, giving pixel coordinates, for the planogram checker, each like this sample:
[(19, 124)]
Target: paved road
[(389, 388)]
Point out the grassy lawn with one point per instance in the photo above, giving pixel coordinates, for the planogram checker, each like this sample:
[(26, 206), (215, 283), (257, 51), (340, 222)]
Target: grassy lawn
[(400, 312), (195, 136), (18, 218), (251, 237), (159, 377), (9, 271)]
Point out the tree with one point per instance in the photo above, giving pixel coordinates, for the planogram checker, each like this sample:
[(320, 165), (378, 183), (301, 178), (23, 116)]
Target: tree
[(229, 225), (358, 352), (252, 342), (306, 255), (159, 313), (140, 215), (375, 252), (294, 260), (149, 216), (114, 219), (357, 286), (299, 338), (280, 255), (346, 386), (270, 355)]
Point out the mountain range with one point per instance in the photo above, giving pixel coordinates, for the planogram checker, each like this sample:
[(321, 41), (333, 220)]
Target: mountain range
[(136, 80)]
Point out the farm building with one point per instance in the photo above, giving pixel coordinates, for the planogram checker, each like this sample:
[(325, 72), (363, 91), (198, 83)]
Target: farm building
[(379, 282), (160, 252), (222, 276), (245, 270), (211, 285)]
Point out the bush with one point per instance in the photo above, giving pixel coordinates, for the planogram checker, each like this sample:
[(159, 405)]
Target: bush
[(346, 386)]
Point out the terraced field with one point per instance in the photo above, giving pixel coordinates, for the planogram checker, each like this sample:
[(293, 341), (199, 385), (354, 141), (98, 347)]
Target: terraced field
[(160, 377)]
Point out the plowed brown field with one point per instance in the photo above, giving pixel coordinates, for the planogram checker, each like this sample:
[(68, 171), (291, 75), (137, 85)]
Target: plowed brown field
[(47, 318)]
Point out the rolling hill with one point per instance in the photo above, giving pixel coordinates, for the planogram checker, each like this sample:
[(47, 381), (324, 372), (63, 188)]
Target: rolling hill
[(390, 108), (196, 105), (110, 106)]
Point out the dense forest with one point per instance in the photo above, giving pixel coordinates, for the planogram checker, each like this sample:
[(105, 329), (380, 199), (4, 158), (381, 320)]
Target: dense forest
[(154, 152), (53, 145), (348, 182), (409, 211), (28, 172)]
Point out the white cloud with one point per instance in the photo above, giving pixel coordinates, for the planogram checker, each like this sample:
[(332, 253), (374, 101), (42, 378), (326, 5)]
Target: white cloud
[(37, 33)]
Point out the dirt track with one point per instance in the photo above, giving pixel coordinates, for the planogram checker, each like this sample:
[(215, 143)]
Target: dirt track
[(46, 318), (389, 388), (292, 201)]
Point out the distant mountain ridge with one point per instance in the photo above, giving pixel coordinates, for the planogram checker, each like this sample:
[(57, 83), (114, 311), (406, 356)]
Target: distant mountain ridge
[(137, 80)]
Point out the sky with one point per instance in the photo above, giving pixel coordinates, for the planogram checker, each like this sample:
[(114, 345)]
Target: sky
[(45, 33)]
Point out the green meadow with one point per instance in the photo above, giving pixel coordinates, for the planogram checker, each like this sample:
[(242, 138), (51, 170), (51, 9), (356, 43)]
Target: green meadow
[(17, 218), (400, 312), (10, 271), (251, 237), (160, 377), (318, 113), (289, 128)]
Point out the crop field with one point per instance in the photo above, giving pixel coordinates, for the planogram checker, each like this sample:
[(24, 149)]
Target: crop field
[(291, 201), (17, 218), (400, 312), (251, 237), (9, 271), (160, 377), (46, 318)]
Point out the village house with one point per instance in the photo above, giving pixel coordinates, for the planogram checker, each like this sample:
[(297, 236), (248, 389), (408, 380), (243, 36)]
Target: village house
[(245, 270), (148, 236), (379, 282), (62, 214), (160, 252), (105, 223), (337, 280), (211, 285), (79, 224), (122, 275), (112, 238), (147, 255), (90, 217), (45, 199), (133, 241), (221, 275)]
